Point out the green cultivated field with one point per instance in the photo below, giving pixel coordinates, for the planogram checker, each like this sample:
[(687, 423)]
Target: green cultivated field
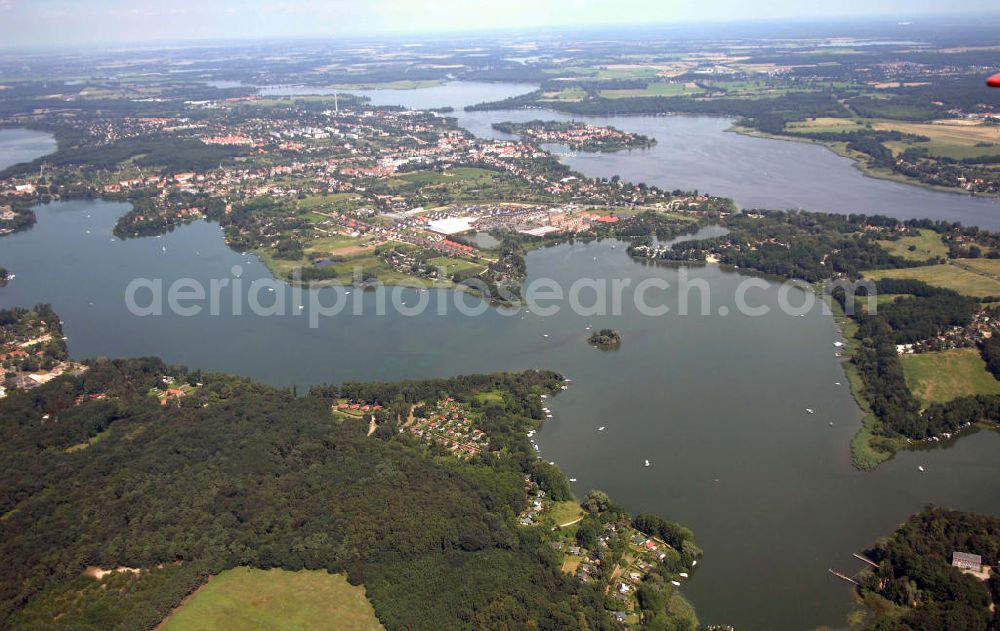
[(926, 245), (984, 267), (972, 277), (569, 94), (459, 181), (949, 138), (653, 89), (824, 125), (244, 598), (941, 377), (452, 265)]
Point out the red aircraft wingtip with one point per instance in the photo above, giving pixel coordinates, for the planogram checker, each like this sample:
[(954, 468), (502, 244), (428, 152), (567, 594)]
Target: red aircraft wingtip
[(994, 81)]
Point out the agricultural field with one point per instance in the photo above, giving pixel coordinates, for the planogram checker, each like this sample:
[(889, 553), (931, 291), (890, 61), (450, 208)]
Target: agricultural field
[(328, 202), (949, 138), (458, 182), (881, 299), (569, 94), (453, 266), (943, 376), (986, 267), (959, 275), (654, 89), (245, 598), (611, 71), (926, 245), (340, 246), (825, 124)]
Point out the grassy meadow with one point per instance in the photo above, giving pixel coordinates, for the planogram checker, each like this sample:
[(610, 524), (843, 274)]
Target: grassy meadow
[(946, 375), (248, 599), (972, 277)]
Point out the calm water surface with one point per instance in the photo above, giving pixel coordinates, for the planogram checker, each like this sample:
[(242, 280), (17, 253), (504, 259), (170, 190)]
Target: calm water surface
[(23, 145)]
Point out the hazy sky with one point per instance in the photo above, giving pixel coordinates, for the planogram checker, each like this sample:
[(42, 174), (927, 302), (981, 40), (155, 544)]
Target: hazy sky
[(62, 22)]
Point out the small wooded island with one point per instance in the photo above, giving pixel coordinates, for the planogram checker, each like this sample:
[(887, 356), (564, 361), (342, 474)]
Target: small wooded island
[(606, 339), (578, 136)]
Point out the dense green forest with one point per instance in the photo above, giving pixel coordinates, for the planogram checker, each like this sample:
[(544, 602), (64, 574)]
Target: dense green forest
[(240, 474), (915, 574), (795, 244), (171, 153)]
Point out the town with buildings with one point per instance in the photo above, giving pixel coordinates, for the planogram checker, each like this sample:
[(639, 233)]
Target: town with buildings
[(577, 136), (323, 191), (449, 424)]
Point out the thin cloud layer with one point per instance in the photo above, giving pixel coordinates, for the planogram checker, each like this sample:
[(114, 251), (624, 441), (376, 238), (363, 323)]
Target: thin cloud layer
[(63, 22)]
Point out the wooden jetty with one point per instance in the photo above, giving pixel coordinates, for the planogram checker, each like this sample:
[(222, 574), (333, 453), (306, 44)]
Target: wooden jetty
[(843, 577), (861, 557)]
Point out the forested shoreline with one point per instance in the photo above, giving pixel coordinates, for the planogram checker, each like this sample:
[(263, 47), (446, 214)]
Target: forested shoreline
[(822, 247), (915, 587), (99, 473)]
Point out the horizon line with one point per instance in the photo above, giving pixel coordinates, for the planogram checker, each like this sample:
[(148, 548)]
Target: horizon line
[(555, 30)]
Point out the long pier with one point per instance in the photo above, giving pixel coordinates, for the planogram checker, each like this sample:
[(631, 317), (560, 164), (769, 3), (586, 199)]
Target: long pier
[(861, 557), (843, 577)]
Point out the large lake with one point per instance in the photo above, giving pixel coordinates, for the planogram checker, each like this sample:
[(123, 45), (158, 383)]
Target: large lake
[(23, 145), (716, 403)]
